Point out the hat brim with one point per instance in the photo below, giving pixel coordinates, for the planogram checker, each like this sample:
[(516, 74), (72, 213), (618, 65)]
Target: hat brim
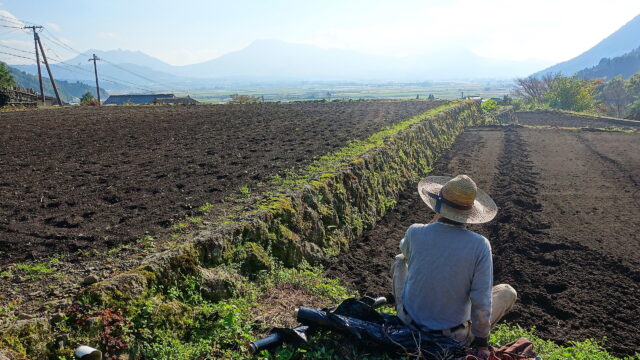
[(484, 208)]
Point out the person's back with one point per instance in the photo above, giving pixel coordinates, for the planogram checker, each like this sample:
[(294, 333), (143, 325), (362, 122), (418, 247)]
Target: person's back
[(443, 279), (448, 266)]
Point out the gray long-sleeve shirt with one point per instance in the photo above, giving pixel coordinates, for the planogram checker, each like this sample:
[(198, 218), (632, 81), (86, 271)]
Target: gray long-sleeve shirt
[(450, 277)]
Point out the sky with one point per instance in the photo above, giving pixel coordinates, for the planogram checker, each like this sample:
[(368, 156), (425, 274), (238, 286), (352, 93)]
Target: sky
[(190, 31)]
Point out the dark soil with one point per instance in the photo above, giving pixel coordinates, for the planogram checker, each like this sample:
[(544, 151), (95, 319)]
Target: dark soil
[(565, 236), (85, 178), (557, 118)]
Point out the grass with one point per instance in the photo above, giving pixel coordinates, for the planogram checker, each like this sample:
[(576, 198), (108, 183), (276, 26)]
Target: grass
[(206, 208), (35, 270), (587, 349), (179, 322), (331, 163)]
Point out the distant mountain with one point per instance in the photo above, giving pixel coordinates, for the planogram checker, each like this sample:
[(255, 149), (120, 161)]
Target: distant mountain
[(69, 91), (120, 70), (620, 42), (121, 56), (279, 61), (625, 65)]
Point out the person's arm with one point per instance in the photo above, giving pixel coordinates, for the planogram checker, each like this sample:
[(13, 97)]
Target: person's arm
[(480, 295), (404, 244)]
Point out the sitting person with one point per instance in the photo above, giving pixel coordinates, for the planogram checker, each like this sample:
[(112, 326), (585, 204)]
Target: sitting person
[(443, 280)]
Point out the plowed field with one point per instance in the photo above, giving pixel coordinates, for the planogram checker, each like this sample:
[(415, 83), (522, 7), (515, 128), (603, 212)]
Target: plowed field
[(566, 235), (86, 178)]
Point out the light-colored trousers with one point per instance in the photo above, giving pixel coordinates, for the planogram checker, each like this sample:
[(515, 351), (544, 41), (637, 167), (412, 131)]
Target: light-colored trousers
[(502, 300)]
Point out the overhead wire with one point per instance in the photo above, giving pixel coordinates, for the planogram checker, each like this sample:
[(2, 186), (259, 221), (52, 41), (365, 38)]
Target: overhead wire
[(19, 56), (51, 37), (47, 34), (16, 49)]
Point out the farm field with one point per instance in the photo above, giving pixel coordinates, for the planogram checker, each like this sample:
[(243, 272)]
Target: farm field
[(449, 90), (565, 236), (83, 178), (563, 119)]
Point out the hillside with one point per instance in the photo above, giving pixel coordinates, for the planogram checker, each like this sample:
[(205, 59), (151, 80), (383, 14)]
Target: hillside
[(620, 42), (625, 65), (69, 91), (279, 60)]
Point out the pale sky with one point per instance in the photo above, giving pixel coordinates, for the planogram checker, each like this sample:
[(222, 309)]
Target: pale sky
[(191, 31)]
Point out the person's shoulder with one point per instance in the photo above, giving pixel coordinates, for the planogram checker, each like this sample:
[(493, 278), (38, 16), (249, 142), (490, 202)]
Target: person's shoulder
[(478, 239), (414, 228)]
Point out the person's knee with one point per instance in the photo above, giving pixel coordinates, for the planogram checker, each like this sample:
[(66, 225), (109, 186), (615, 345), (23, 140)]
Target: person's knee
[(507, 293)]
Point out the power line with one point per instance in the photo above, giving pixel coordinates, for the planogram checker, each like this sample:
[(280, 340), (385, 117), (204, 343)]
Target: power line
[(19, 56), (130, 72), (12, 27), (16, 49), (60, 43)]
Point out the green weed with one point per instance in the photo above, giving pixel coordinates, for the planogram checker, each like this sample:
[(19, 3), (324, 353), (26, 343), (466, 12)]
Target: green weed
[(206, 208)]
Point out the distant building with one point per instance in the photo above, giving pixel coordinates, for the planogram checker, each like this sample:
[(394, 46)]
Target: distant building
[(176, 101), (147, 99)]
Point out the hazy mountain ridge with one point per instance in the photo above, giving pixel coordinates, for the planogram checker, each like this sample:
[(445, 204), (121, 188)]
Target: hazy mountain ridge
[(622, 41), (608, 68), (273, 60)]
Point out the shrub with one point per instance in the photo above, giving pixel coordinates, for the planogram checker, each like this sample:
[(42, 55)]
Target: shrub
[(88, 99), (489, 105)]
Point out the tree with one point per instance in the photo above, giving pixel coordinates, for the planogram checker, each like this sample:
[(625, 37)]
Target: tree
[(533, 90), (633, 86), (6, 82), (614, 93), (570, 94), (633, 112), (431, 97), (87, 98)]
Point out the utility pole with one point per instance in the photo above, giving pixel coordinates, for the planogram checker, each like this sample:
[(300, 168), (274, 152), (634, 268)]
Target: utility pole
[(46, 63), (95, 70), (35, 43)]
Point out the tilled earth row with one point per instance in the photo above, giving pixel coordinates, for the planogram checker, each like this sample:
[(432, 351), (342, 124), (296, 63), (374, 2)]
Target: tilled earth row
[(85, 178), (562, 237)]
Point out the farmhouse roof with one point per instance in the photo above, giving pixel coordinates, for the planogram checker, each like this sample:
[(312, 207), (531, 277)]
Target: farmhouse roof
[(138, 99), (176, 100)]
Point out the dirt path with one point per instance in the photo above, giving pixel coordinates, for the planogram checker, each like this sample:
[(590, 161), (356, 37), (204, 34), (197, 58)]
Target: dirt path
[(572, 255)]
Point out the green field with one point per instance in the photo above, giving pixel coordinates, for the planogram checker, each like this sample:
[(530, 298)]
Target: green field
[(334, 91)]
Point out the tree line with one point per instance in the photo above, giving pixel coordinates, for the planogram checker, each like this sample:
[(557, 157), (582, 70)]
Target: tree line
[(617, 97)]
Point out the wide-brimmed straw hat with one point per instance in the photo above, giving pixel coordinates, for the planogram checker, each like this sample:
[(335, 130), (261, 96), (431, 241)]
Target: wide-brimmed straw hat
[(457, 199)]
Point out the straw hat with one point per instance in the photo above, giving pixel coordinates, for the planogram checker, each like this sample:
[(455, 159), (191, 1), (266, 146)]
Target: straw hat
[(457, 199)]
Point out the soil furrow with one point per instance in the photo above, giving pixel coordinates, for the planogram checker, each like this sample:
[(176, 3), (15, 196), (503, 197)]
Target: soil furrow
[(560, 237)]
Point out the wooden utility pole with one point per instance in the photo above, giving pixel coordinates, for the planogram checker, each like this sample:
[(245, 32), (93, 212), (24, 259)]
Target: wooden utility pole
[(35, 43), (46, 63), (95, 70)]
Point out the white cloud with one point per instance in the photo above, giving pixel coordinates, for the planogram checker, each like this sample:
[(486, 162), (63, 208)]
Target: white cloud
[(9, 19), (106, 35), (22, 49), (53, 26)]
